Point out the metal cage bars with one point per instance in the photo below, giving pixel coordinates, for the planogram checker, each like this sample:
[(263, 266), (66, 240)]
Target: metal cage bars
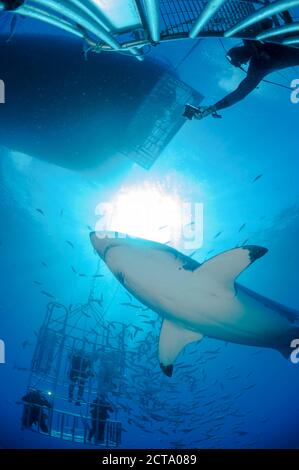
[(164, 20)]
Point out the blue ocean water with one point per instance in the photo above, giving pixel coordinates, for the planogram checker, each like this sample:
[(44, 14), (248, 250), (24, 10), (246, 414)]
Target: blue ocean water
[(230, 396)]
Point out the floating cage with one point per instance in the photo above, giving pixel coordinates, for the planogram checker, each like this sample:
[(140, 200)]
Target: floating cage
[(165, 101), (178, 17), (130, 25), (77, 376)]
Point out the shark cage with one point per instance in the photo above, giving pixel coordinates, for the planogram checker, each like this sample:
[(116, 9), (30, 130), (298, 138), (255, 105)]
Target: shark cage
[(77, 376)]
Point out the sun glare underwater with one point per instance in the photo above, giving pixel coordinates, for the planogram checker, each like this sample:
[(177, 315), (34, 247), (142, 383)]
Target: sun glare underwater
[(71, 164)]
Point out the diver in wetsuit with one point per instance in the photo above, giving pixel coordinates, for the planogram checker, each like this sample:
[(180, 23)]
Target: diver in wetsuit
[(99, 411), (81, 370), (263, 59), (9, 5), (35, 404)]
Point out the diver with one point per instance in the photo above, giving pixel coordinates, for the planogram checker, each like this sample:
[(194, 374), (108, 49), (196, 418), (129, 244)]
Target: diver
[(263, 59), (81, 370), (34, 410), (10, 5), (99, 412)]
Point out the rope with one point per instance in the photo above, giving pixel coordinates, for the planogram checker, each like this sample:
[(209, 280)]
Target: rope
[(186, 56)]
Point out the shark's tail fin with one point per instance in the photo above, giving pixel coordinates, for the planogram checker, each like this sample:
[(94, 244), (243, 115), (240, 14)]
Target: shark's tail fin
[(291, 344)]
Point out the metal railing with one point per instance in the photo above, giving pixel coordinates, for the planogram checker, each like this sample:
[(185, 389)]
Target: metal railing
[(163, 20), (71, 426)]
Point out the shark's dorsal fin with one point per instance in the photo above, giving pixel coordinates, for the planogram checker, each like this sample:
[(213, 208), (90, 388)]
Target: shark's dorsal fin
[(173, 338), (224, 268)]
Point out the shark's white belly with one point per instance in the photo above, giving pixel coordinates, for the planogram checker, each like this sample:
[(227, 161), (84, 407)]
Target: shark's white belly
[(176, 295), (161, 283)]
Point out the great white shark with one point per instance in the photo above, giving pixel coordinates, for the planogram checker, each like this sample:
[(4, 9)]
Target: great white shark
[(197, 300)]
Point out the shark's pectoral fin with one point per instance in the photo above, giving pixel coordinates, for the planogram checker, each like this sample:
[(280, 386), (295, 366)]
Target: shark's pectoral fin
[(173, 338), (224, 268)]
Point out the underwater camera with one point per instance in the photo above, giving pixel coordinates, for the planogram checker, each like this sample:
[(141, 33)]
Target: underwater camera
[(190, 111)]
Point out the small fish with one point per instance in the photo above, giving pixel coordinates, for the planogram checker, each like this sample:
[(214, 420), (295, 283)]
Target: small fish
[(70, 243), (242, 227), (25, 343), (249, 387), (47, 294), (217, 235), (163, 226), (38, 283), (137, 329), (61, 212), (213, 351), (40, 211), (192, 254), (190, 224), (74, 270), (82, 275), (95, 276), (128, 304), (149, 322), (89, 228), (257, 178), (20, 369), (245, 241), (129, 296), (86, 315), (99, 302), (44, 264), (208, 403), (210, 251)]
